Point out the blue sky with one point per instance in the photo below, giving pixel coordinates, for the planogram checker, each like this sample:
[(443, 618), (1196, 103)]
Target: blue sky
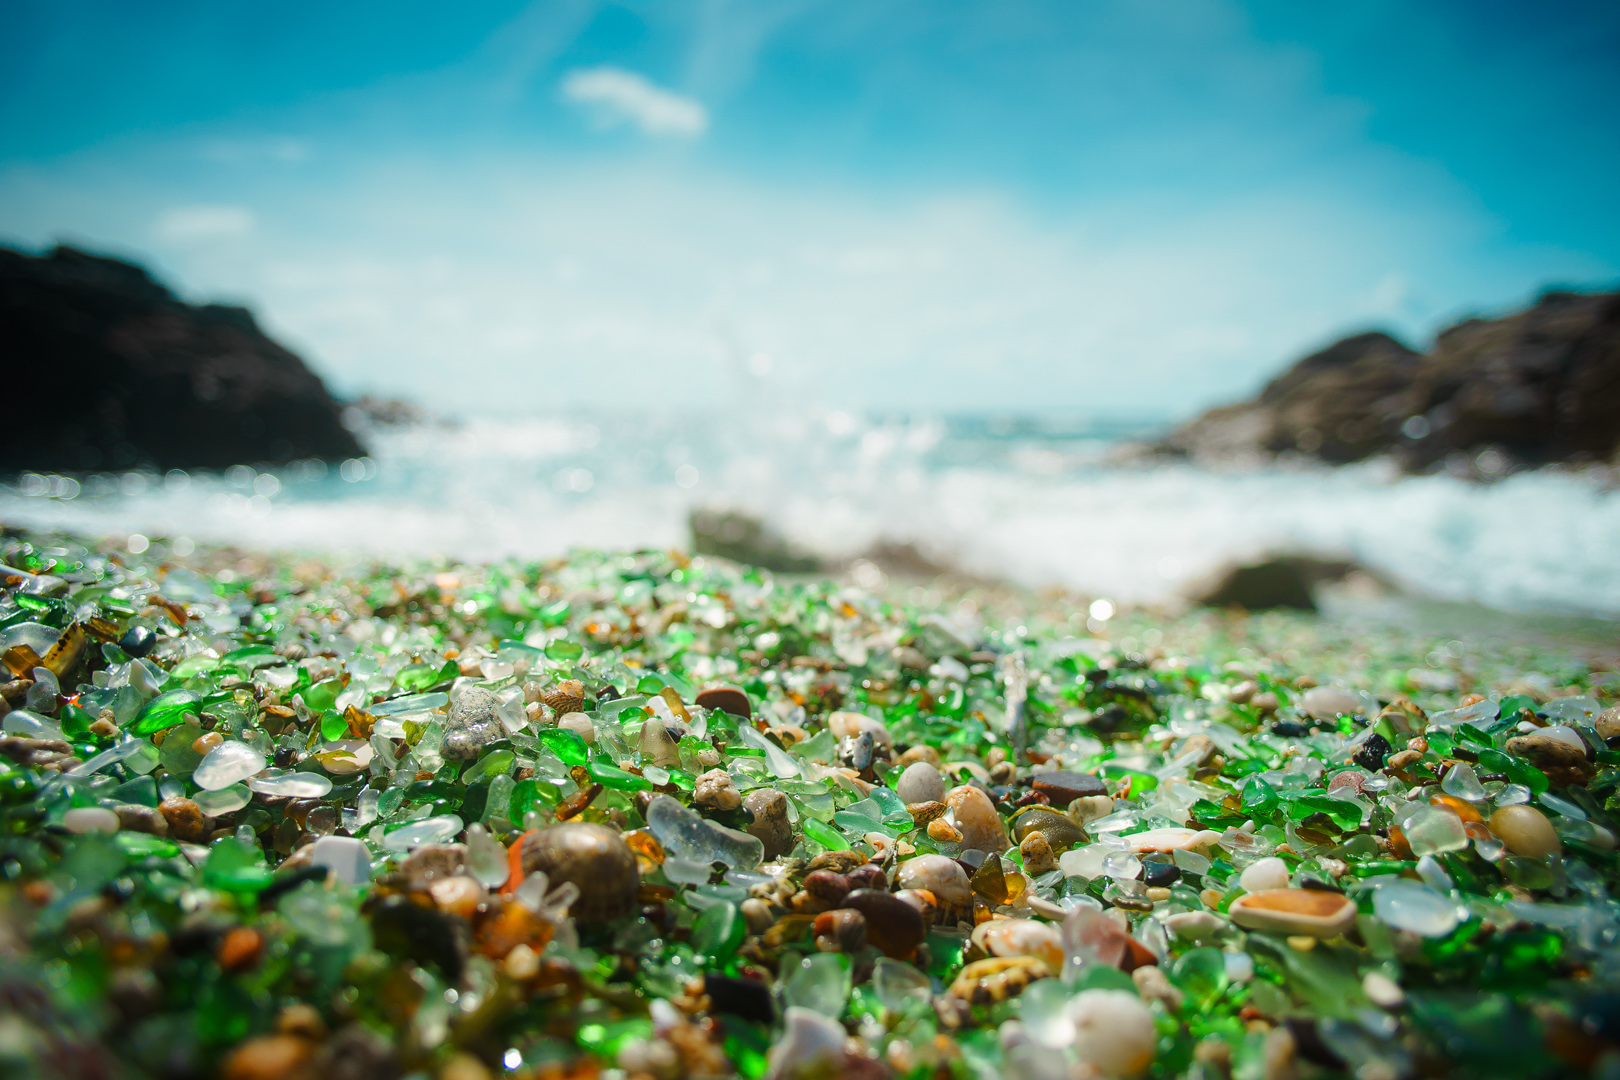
[(1092, 207)]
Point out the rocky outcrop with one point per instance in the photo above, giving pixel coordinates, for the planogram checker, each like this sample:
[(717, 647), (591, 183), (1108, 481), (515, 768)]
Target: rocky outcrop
[(1533, 388), (108, 370)]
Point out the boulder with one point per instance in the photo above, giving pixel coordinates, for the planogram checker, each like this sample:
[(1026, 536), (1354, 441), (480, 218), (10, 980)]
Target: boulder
[(122, 375), (1531, 388)]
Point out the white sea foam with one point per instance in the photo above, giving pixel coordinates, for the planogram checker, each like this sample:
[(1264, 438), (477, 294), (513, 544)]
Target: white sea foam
[(1032, 506)]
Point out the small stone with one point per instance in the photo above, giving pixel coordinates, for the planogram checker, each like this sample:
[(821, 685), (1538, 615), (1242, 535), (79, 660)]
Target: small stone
[(89, 819), (977, 819), (428, 864), (1172, 839), (1193, 925), (1607, 723), (939, 875), (921, 782), (1382, 991), (580, 725), (459, 895), (229, 763), (848, 725), (1309, 912), (727, 699), (1262, 874), (1065, 787), (344, 856), (1021, 937), (1564, 762), (473, 724), (1154, 985), (146, 819), (921, 752), (1526, 831), (240, 949), (593, 857), (714, 790), (1113, 1031), (893, 926), (1329, 703), (268, 1057), (1059, 830), (770, 824), (660, 745), (1037, 854), (1084, 811), (186, 819)]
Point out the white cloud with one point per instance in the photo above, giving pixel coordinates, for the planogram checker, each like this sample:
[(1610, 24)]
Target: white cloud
[(201, 224), (617, 96)]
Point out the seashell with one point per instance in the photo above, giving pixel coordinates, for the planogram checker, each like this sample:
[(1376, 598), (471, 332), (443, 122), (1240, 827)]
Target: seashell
[(1021, 937), (997, 978), (593, 857), (1312, 912)]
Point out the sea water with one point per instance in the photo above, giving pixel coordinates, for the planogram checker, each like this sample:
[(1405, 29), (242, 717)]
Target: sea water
[(1034, 503)]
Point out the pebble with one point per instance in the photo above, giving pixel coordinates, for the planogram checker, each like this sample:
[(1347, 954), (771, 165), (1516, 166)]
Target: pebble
[(893, 926), (660, 745), (921, 782), (1084, 811), (1262, 874), (923, 752), (1382, 991), (1526, 831), (88, 819), (1113, 1031), (186, 819), (941, 876), (1036, 851), (1172, 839), (771, 824), (1329, 702), (1308, 912), (1059, 830), (977, 819), (268, 1057), (1065, 787), (229, 763), (147, 819), (580, 725), (847, 725), (1193, 925), (714, 790), (727, 699), (473, 724), (1154, 985), (1607, 723), (1021, 937), (593, 857)]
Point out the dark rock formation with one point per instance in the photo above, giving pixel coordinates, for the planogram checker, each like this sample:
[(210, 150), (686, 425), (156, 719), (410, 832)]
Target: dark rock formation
[(1533, 388), (110, 371), (732, 534), (1277, 581)]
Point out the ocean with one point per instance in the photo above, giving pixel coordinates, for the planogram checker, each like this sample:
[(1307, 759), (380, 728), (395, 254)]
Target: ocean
[(1017, 499)]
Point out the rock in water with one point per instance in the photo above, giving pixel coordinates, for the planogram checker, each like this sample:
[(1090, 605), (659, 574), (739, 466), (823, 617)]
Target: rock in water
[(157, 381), (1538, 386), (1275, 583)]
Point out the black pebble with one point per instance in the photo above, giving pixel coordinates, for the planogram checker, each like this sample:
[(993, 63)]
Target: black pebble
[(137, 641), (1372, 753), (740, 997), (1290, 730), (1160, 874)]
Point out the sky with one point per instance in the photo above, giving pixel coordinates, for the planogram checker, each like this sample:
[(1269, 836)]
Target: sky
[(1088, 207)]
